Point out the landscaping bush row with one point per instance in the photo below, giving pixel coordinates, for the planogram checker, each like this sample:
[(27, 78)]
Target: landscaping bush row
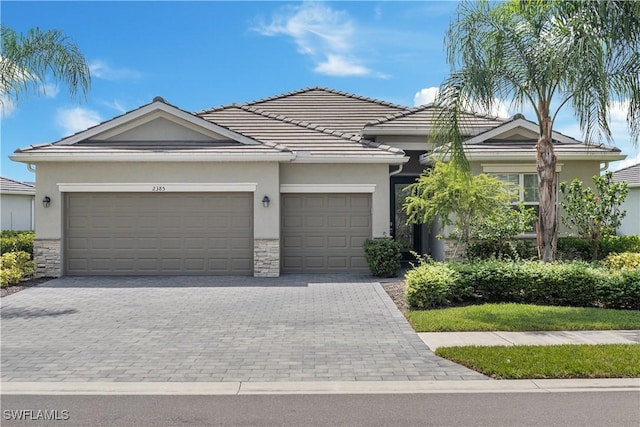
[(569, 248), (577, 248), (17, 241), (14, 266), (577, 283)]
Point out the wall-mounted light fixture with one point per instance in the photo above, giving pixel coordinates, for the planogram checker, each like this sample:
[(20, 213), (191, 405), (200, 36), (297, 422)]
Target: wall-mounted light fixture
[(46, 202), (266, 201)]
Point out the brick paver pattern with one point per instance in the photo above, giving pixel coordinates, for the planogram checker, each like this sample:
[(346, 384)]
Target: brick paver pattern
[(293, 328)]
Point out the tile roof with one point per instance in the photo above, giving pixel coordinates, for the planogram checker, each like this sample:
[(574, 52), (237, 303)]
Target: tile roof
[(299, 136), (332, 109), (630, 174), (8, 185), (422, 117)]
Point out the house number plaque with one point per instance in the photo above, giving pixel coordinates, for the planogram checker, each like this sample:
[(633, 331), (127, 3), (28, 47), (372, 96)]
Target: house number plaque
[(158, 188)]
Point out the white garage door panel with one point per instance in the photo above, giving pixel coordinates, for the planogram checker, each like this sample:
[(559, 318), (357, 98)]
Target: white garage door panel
[(324, 233), (168, 233)]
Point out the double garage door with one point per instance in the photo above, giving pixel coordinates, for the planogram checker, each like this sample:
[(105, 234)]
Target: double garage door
[(209, 233), (159, 233)]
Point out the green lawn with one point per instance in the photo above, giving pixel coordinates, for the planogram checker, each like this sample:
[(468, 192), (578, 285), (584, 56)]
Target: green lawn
[(522, 317), (557, 361)]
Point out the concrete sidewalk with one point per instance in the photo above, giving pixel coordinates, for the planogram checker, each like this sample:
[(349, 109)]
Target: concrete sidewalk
[(452, 339)]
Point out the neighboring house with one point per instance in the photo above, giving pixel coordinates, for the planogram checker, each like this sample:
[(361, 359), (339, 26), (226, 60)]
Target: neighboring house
[(631, 223), (289, 184), (17, 204)]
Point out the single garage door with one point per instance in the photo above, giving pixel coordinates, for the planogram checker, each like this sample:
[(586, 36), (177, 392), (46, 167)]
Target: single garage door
[(158, 234), (324, 233)]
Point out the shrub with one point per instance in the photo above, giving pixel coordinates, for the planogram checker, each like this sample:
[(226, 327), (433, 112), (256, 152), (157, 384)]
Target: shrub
[(17, 241), (14, 266), (620, 244), (629, 260), (574, 284), (577, 283), (577, 248), (594, 214), (383, 256), (573, 248), (429, 285), (510, 250), (623, 291)]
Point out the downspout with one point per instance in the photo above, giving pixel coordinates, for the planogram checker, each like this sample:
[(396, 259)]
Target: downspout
[(605, 166), (31, 167), (397, 171)]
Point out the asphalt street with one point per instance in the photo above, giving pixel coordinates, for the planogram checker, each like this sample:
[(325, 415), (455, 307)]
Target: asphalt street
[(601, 409)]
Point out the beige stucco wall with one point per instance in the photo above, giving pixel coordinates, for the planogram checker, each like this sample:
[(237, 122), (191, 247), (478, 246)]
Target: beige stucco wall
[(583, 170), (48, 175), (268, 176), (376, 174)]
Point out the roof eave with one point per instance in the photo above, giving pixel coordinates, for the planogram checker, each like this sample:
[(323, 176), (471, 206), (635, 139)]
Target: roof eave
[(19, 192), (502, 156), (150, 157), (362, 159)]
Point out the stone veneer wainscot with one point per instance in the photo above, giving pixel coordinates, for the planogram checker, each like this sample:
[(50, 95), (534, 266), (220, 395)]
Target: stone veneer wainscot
[(47, 254), (266, 257)]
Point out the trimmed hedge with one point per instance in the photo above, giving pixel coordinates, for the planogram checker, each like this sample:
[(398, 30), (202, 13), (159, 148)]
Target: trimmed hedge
[(383, 256), (577, 248), (577, 284)]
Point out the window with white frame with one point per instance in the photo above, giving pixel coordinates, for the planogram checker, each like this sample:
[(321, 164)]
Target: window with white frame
[(526, 186)]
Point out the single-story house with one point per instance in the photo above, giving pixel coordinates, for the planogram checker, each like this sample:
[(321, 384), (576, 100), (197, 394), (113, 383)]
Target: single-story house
[(631, 222), (293, 183), (17, 204)]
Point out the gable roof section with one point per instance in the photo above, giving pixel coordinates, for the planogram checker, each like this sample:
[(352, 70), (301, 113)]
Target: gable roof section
[(418, 121), (10, 186), (332, 109), (507, 142), (630, 174), (102, 142)]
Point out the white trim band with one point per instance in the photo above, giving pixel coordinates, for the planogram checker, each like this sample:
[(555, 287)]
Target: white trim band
[(157, 187), (327, 188)]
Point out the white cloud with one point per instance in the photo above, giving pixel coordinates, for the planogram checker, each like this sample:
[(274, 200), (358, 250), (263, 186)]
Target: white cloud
[(428, 95), (425, 96), (103, 70), (336, 65), (76, 119), (326, 35)]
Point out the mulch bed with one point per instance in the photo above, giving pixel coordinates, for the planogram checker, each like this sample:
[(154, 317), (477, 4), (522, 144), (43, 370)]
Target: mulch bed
[(24, 284), (397, 292)]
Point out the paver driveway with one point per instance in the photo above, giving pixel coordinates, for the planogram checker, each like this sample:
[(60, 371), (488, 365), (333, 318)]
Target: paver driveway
[(213, 329)]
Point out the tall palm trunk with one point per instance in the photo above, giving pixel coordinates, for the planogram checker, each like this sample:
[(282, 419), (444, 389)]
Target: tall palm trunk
[(547, 219)]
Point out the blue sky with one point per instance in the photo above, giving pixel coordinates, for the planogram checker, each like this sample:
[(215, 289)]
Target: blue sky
[(208, 53)]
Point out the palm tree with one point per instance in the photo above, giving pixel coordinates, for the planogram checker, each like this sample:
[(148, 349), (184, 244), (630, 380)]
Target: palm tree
[(27, 61), (547, 55)]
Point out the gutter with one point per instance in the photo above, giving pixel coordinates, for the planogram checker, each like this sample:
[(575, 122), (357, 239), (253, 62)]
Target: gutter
[(151, 157)]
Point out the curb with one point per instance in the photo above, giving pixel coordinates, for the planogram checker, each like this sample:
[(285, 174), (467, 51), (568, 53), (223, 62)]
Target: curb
[(319, 387)]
